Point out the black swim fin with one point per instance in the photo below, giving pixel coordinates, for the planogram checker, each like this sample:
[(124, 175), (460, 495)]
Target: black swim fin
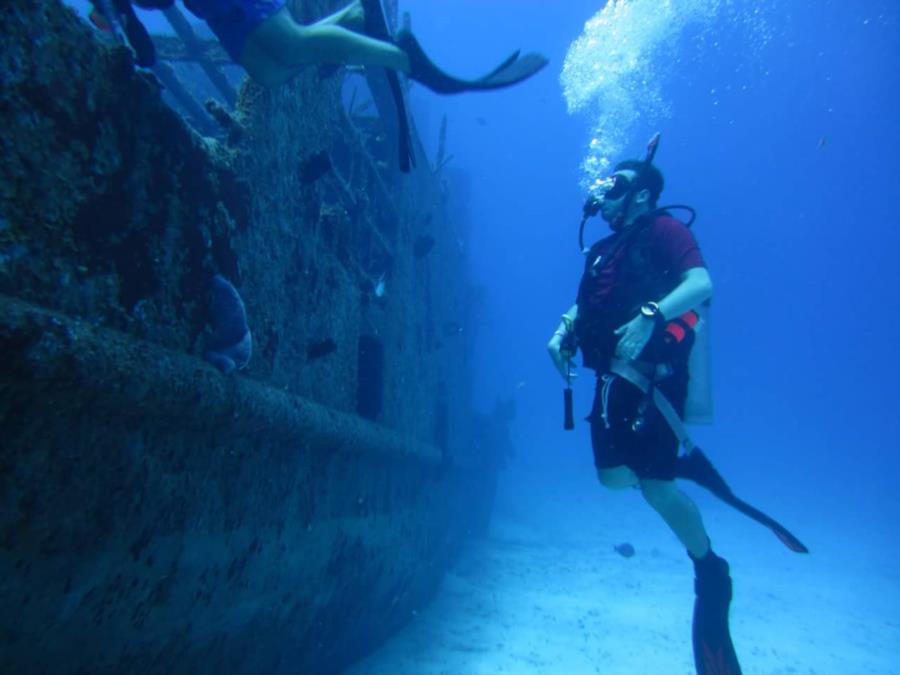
[(505, 64), (713, 649), (511, 71), (517, 71), (376, 27), (695, 466)]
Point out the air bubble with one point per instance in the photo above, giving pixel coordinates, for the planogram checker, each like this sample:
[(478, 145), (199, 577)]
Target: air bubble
[(614, 72)]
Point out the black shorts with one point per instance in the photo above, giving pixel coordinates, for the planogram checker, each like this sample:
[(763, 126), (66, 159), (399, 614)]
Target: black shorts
[(650, 450)]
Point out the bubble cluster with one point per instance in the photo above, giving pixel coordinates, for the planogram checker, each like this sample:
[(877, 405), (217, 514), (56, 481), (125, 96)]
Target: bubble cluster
[(614, 72)]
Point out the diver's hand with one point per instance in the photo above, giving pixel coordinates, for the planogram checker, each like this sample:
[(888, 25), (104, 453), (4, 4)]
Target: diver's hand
[(635, 336), (561, 359)]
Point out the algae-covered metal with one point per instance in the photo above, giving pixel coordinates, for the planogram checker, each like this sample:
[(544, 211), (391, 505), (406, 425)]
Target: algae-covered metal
[(157, 515)]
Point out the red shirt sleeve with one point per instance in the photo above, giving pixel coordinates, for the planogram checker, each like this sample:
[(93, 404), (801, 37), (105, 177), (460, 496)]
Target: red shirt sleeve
[(677, 249)]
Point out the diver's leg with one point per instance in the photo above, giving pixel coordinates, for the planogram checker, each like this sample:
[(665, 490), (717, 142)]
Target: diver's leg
[(714, 652), (294, 45), (610, 449), (679, 512), (262, 68), (352, 17), (617, 477)]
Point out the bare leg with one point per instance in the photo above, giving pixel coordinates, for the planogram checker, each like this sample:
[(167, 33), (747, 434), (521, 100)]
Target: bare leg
[(679, 512), (352, 17), (279, 47), (617, 477)]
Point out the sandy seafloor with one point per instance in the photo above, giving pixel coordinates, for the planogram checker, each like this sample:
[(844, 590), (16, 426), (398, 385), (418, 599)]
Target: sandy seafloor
[(544, 592)]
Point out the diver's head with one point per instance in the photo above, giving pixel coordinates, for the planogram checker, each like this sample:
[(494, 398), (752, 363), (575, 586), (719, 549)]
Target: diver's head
[(634, 189)]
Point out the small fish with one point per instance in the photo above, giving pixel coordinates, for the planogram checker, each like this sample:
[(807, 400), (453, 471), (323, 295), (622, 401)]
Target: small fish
[(229, 345), (320, 348), (314, 167), (625, 550), (481, 121), (451, 328), (823, 141), (379, 289), (423, 245)]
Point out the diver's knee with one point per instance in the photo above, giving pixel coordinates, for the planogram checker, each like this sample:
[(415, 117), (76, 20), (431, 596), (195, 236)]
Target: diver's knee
[(617, 477)]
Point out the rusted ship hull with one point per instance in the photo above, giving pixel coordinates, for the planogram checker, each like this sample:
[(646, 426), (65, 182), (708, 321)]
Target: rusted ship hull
[(157, 515), (170, 520)]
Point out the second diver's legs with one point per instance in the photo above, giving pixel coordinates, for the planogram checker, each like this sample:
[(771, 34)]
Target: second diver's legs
[(352, 17), (679, 512), (279, 47)]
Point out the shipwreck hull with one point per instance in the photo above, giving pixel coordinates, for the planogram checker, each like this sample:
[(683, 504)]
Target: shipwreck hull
[(157, 515), (261, 533)]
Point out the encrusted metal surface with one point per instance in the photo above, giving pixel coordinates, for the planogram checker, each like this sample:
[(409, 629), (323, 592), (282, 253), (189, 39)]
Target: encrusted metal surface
[(157, 515)]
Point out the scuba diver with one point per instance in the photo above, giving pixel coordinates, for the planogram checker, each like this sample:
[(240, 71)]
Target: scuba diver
[(639, 305), (270, 41)]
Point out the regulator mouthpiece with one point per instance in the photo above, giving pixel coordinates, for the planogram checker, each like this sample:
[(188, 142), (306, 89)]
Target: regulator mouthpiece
[(592, 206)]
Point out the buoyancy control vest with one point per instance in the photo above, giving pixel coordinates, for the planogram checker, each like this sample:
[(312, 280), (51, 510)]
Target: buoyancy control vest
[(639, 276)]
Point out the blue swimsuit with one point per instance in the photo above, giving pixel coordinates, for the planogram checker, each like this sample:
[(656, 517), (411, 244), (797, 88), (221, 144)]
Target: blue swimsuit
[(233, 20)]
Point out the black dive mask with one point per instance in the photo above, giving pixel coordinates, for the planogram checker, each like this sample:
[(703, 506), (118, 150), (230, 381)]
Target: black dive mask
[(618, 187)]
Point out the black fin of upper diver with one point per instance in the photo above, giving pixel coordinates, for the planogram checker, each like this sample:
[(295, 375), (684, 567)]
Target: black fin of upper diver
[(512, 70)]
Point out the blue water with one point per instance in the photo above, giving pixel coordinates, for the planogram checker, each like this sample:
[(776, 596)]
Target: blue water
[(789, 152), (788, 148)]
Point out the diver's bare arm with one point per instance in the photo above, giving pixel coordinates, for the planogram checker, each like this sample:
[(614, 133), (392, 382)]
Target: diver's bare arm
[(568, 318), (695, 289), (560, 360)]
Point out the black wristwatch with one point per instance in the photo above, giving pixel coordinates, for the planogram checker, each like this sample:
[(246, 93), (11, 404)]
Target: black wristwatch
[(651, 311)]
